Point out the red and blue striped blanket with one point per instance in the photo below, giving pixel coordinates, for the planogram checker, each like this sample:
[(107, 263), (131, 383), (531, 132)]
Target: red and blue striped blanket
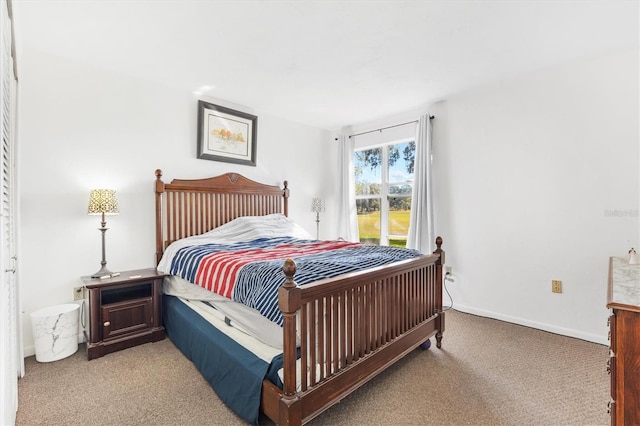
[(251, 272)]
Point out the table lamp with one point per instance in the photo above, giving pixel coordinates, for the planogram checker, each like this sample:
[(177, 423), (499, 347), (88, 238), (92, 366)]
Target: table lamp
[(103, 202), (317, 206)]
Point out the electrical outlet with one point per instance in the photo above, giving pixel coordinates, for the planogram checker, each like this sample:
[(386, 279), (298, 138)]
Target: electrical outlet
[(447, 269), (556, 286), (78, 293)]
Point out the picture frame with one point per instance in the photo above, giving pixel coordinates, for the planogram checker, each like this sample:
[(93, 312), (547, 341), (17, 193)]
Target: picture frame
[(226, 135)]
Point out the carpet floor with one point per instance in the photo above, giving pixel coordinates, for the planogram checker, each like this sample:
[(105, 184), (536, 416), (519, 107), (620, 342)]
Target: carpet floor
[(488, 372)]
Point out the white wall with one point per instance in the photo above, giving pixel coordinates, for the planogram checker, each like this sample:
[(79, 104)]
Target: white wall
[(81, 128), (537, 178)]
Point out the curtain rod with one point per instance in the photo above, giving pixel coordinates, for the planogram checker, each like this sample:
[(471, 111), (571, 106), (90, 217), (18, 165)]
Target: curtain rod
[(431, 117)]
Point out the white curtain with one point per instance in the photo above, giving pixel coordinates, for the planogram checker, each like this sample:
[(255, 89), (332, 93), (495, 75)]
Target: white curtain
[(347, 214), (421, 235)]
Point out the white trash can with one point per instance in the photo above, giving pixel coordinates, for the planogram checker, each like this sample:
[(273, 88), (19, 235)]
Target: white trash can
[(55, 332)]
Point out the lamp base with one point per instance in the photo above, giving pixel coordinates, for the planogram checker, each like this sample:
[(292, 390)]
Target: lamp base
[(102, 272)]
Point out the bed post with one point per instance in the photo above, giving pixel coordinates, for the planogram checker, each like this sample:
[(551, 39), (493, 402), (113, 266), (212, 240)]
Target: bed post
[(439, 280), (285, 198), (159, 239), (289, 301)]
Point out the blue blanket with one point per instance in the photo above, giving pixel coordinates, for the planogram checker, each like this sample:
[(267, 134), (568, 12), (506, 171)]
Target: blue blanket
[(233, 372)]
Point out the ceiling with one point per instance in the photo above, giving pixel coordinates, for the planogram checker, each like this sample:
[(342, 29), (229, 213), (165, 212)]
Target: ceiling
[(326, 63)]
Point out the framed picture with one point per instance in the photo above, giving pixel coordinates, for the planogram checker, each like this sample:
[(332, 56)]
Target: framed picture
[(226, 135)]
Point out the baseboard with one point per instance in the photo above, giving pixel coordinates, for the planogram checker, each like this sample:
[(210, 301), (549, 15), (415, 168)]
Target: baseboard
[(589, 337)]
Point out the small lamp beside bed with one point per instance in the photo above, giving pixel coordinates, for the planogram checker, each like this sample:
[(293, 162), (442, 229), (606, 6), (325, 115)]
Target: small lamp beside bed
[(102, 202), (317, 206)]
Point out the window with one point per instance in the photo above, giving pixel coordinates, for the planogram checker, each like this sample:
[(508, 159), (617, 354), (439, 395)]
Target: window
[(384, 181)]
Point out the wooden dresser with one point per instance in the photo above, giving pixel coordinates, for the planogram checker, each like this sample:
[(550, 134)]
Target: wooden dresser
[(624, 362)]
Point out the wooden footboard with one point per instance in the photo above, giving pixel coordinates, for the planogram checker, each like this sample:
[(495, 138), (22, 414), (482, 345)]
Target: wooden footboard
[(349, 329)]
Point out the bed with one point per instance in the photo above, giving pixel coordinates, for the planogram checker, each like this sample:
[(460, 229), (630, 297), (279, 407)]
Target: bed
[(336, 333)]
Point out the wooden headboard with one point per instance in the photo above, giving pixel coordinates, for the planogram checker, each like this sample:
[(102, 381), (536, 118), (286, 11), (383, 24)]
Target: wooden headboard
[(187, 207)]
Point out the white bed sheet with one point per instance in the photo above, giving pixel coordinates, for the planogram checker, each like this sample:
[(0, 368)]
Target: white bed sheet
[(241, 317), (260, 349)]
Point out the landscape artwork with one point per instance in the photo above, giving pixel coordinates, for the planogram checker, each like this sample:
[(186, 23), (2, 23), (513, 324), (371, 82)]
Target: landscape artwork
[(226, 135)]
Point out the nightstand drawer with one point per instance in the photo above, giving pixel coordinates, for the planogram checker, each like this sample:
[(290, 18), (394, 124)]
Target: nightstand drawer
[(126, 317)]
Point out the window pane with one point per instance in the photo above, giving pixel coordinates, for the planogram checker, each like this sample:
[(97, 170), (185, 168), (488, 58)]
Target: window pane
[(401, 160), (368, 171), (405, 188), (369, 220), (399, 213)]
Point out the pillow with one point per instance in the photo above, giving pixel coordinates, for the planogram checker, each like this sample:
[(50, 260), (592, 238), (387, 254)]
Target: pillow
[(248, 228), (245, 228)]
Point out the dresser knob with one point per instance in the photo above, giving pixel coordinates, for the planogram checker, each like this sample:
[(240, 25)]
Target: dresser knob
[(106, 324)]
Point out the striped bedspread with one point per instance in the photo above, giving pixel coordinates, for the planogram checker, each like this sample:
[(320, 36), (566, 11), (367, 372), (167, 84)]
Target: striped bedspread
[(251, 272)]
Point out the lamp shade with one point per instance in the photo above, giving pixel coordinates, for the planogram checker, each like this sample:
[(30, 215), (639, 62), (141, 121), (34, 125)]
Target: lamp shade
[(317, 205), (103, 201)]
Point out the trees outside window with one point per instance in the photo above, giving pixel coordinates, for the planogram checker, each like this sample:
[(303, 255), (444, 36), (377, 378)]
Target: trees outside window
[(384, 181)]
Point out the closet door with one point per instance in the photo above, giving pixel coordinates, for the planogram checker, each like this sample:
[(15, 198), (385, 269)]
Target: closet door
[(11, 351)]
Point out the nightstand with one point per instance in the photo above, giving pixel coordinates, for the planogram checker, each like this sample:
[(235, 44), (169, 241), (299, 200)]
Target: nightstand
[(124, 311)]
